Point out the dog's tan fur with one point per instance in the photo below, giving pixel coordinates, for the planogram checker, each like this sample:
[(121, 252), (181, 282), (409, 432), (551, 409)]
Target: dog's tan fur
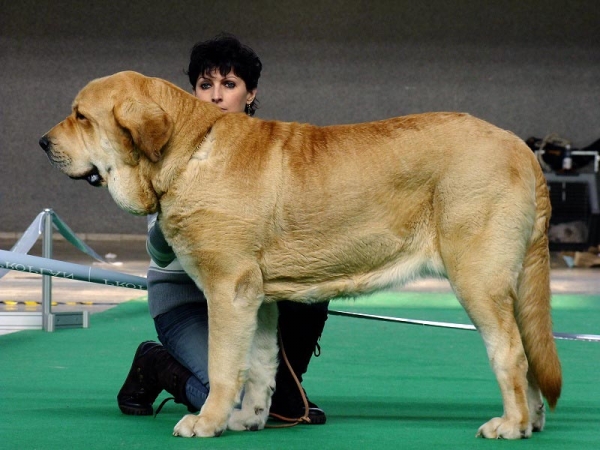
[(259, 211)]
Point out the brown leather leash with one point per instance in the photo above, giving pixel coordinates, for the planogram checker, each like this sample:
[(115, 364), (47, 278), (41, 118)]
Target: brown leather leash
[(291, 422)]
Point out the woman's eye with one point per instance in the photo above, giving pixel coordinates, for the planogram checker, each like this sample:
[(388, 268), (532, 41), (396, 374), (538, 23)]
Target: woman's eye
[(205, 86), (230, 85)]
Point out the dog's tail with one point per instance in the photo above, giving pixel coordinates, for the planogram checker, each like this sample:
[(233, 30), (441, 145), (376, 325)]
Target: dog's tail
[(532, 308)]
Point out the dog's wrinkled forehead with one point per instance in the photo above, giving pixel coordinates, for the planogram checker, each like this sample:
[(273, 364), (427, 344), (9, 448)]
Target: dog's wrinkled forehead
[(102, 92)]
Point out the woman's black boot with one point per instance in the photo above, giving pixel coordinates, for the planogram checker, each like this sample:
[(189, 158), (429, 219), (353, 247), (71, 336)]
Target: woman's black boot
[(300, 327), (152, 371)]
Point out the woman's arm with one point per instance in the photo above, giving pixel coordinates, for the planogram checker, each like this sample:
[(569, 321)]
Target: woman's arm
[(156, 245)]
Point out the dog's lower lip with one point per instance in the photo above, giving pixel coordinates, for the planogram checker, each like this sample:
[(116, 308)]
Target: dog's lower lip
[(92, 177)]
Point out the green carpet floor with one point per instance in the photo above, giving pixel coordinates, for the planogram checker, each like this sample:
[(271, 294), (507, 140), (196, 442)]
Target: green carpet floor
[(383, 385)]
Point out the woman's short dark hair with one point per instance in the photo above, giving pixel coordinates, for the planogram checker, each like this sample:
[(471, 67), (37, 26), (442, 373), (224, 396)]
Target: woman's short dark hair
[(225, 53)]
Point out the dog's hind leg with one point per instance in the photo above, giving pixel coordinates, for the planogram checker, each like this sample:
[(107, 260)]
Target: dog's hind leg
[(483, 268), (519, 246), (261, 376), (492, 314), (509, 363), (488, 295)]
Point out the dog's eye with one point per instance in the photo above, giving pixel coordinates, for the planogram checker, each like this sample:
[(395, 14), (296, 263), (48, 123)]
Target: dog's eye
[(80, 116)]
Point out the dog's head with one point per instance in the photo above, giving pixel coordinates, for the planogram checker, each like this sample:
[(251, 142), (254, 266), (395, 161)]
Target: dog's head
[(113, 136)]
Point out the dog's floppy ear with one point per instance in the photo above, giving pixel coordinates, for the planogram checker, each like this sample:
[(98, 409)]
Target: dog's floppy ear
[(148, 124)]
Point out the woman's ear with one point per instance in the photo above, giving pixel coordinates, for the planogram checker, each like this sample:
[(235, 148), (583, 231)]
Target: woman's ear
[(251, 96)]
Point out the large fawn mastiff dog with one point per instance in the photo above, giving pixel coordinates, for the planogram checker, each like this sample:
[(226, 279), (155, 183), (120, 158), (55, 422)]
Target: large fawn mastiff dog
[(258, 211)]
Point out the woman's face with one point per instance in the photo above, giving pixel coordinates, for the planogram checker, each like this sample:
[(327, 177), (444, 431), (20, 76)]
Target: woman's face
[(228, 92)]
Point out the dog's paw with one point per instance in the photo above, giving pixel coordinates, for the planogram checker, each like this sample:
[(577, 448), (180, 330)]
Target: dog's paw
[(196, 426), (502, 428), (247, 419), (538, 417), (185, 427)]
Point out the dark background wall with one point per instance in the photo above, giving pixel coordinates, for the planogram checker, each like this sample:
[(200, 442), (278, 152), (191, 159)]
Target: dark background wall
[(531, 66)]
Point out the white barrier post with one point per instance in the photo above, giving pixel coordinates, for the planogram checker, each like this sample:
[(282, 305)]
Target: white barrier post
[(47, 319), (50, 320)]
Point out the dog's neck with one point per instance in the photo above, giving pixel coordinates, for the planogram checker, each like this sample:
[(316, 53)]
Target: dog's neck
[(195, 153), (193, 121)]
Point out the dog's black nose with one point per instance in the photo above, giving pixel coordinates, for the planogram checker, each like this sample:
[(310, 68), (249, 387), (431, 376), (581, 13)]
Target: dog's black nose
[(45, 143)]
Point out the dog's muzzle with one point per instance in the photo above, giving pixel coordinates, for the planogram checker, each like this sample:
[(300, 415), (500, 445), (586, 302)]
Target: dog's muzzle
[(92, 176)]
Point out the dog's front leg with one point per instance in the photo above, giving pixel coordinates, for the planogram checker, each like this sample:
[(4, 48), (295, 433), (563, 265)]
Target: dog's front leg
[(232, 322), (261, 376)]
